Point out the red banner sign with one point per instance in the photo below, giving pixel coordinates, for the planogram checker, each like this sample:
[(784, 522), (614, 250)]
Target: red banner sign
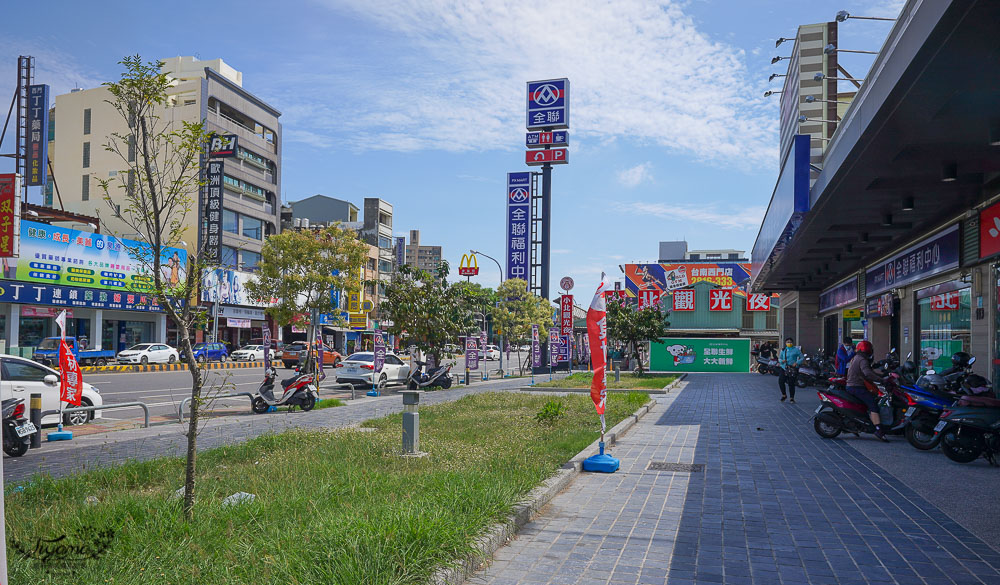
[(949, 301), (597, 333), (8, 210), (720, 300), (759, 302), (71, 381), (989, 231), (566, 315), (649, 298), (684, 299), (555, 156)]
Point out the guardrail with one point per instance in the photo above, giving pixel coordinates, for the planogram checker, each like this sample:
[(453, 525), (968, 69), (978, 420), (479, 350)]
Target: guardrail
[(145, 410), (180, 407)]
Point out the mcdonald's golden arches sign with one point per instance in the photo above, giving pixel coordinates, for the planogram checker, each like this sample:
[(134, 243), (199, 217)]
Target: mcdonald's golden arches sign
[(469, 266)]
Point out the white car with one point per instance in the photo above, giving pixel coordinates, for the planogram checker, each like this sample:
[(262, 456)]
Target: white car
[(359, 369), (248, 353), (149, 353), (492, 352), (23, 377)]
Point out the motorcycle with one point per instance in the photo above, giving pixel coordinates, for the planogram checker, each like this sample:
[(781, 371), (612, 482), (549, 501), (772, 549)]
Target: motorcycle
[(298, 390), (931, 394), (840, 411), (764, 365), (17, 430), (971, 429), (809, 373), (439, 376)]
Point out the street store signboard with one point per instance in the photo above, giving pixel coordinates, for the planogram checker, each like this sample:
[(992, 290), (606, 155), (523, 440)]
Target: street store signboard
[(471, 353), (839, 296), (10, 223), (700, 355), (853, 314), (543, 139), (379, 351), (222, 146), (400, 251), (213, 211), (552, 156), (230, 287), (468, 265), (38, 135), (518, 217), (936, 254), (649, 299), (238, 323), (566, 311), (880, 306), (548, 104), (720, 300), (668, 277), (69, 296), (759, 302), (684, 299), (949, 301), (989, 231), (536, 348)]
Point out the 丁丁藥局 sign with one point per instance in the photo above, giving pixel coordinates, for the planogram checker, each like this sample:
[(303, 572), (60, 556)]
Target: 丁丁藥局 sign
[(36, 167)]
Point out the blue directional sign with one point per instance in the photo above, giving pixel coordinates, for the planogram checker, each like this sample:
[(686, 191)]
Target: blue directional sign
[(543, 139), (548, 104), (518, 218)]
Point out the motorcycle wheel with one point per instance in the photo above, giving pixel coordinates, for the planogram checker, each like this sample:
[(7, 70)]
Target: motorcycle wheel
[(762, 371), (308, 402), (16, 449), (957, 452), (921, 440), (825, 429), (446, 382), (801, 383), (258, 405)]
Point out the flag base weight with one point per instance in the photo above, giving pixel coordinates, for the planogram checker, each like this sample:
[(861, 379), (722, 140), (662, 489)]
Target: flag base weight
[(601, 463), (372, 393), (59, 436)]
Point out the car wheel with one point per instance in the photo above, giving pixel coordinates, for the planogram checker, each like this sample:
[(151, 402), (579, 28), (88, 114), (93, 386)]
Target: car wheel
[(172, 359), (75, 419), (382, 381), (144, 360), (202, 360)]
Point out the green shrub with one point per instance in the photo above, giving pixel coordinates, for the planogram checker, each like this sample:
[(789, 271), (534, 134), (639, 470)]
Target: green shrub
[(551, 412)]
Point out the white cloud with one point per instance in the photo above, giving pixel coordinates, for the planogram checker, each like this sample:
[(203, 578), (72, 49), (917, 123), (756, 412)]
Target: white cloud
[(455, 80), (561, 251), (636, 175), (59, 70), (885, 8), (741, 218)]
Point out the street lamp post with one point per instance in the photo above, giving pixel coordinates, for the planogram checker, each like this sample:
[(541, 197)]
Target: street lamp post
[(500, 268)]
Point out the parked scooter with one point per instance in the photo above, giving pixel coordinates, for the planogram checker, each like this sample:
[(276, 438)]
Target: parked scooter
[(809, 373), (17, 430), (840, 411), (971, 430), (299, 390), (439, 376)]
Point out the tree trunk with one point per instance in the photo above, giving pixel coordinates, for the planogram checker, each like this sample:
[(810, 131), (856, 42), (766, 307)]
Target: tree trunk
[(192, 433)]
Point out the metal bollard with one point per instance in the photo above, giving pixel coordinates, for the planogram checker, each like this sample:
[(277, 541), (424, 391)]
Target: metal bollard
[(618, 371), (466, 378), (35, 416), (411, 422)]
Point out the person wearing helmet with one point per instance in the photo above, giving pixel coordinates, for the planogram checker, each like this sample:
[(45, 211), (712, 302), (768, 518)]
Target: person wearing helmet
[(858, 372), (789, 359)]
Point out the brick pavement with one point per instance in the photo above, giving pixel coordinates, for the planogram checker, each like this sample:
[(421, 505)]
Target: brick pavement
[(107, 449), (775, 504)]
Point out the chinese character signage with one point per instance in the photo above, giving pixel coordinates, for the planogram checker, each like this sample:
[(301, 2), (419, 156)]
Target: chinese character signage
[(566, 314), (554, 346), (989, 231), (543, 139), (213, 211), (684, 299), (934, 255), (720, 300), (400, 251), (881, 306), (564, 348), (68, 296), (701, 355), (468, 266), (36, 166), (222, 145), (10, 224), (668, 277), (649, 298), (71, 381), (518, 218), (267, 347), (548, 104), (536, 348), (379, 351), (471, 353), (839, 296), (759, 302), (949, 301), (57, 255)]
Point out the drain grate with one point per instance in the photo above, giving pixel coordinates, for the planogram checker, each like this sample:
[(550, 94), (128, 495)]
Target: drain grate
[(678, 467)]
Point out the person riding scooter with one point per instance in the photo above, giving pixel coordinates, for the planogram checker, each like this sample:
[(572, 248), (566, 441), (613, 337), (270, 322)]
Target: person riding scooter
[(859, 374)]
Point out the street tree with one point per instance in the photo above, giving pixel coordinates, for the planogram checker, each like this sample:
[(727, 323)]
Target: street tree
[(518, 310), (631, 326), (481, 300), (154, 196), (425, 310), (298, 269)]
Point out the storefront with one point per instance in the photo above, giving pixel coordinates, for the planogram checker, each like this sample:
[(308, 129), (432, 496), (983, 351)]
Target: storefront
[(841, 310), (882, 314), (239, 317)]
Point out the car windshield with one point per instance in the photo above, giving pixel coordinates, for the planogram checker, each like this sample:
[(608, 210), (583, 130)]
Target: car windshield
[(250, 347), (140, 347), (198, 346), (361, 357), (49, 344), (295, 347)]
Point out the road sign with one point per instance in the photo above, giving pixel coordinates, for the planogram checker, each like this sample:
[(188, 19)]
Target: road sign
[(555, 156), (548, 104), (367, 306), (566, 283), (469, 266), (543, 139), (518, 216)]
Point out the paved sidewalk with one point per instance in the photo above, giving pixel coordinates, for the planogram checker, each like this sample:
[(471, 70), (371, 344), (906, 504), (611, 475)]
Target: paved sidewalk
[(774, 504), (107, 449)]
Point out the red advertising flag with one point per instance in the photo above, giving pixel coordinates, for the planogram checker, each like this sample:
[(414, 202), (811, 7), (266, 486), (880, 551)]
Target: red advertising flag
[(71, 382), (597, 334), (720, 300), (759, 302)]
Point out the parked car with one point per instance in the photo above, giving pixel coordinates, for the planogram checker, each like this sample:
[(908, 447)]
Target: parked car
[(149, 353), (492, 352), (359, 369), (248, 353), (293, 353), (210, 352), (453, 349), (21, 377), (276, 346)]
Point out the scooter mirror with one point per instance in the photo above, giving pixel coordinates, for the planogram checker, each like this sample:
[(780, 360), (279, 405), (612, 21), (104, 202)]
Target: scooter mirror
[(893, 350), (972, 360)]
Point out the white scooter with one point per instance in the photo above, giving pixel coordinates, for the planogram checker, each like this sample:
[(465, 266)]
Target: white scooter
[(299, 390)]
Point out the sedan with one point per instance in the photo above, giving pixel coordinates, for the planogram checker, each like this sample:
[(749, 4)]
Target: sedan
[(359, 369), (149, 353), (492, 353), (22, 377), (248, 353)]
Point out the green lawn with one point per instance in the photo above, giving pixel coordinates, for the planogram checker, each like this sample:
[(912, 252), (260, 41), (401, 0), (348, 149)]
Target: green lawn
[(628, 381), (332, 506)]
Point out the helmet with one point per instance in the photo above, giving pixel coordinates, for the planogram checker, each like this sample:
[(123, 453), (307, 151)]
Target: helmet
[(865, 347), (960, 359)]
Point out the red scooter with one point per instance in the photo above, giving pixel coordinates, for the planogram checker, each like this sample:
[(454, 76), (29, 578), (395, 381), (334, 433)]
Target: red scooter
[(840, 411), (299, 390)]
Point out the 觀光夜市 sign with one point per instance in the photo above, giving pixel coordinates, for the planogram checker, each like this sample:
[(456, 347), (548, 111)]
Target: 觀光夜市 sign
[(932, 256)]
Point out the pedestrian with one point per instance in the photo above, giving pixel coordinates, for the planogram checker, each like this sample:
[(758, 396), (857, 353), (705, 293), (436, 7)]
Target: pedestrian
[(845, 352), (789, 359)]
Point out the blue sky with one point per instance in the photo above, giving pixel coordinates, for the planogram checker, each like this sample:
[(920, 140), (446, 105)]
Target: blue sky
[(421, 102)]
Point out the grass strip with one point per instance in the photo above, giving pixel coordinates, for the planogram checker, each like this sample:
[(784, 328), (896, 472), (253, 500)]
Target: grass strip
[(332, 506), (628, 381)]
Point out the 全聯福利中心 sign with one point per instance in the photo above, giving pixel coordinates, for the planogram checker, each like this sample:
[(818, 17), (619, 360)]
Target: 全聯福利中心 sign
[(518, 218), (543, 139), (548, 104), (553, 156)]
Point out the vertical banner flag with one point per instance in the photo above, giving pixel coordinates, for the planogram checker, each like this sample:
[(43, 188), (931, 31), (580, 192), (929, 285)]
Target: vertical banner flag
[(319, 354), (213, 211), (597, 333), (61, 322), (38, 135), (566, 304), (10, 216), (379, 351), (400, 251), (71, 382), (536, 348), (267, 347), (554, 348), (471, 353), (518, 218), (482, 342)]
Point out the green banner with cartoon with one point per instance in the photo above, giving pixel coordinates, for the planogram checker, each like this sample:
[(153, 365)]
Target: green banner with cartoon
[(700, 355)]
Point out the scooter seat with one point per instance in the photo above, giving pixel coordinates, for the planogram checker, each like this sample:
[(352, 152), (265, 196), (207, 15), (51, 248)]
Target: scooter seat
[(979, 401), (286, 383), (844, 394)]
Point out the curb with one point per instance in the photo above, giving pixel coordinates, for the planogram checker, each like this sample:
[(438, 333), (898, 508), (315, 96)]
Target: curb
[(587, 390), (502, 533), (227, 365)]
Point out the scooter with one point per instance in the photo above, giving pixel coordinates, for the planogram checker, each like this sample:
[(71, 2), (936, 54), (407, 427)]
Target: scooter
[(840, 411), (16, 430), (298, 391), (931, 395), (439, 376), (971, 430)]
